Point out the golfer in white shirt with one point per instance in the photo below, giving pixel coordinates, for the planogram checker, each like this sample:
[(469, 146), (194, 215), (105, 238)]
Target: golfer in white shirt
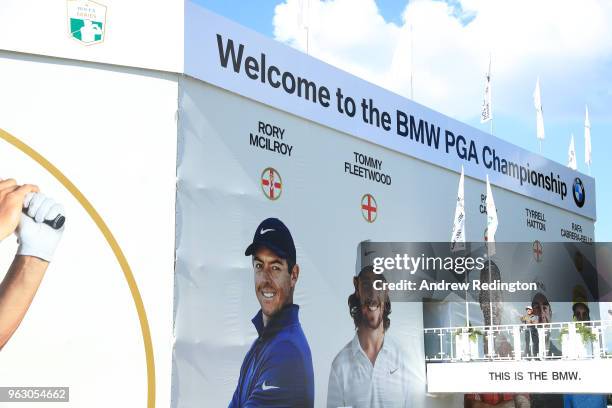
[(370, 371)]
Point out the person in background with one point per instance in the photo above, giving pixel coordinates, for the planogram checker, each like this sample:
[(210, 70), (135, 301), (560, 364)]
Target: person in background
[(543, 311), (583, 314), (531, 333), (581, 311)]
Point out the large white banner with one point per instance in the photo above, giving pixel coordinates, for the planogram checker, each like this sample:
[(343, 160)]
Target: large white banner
[(240, 162)]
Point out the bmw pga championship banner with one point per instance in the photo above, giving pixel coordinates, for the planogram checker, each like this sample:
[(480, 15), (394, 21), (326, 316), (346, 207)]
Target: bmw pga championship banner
[(220, 220), (242, 178), (250, 65)]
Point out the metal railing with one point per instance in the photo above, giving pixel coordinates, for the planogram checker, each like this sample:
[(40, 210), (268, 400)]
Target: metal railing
[(516, 342)]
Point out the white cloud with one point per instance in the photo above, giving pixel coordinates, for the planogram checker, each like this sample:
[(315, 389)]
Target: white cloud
[(562, 41), (339, 32)]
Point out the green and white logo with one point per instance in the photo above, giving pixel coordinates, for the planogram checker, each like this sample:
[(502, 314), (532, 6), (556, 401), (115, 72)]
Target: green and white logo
[(86, 21)]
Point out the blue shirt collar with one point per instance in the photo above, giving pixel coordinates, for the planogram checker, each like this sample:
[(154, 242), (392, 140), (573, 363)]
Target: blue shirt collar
[(287, 316)]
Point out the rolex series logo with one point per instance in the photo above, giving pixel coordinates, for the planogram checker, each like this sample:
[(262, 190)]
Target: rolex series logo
[(86, 21)]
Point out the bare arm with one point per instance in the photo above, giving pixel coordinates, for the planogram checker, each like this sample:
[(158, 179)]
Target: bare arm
[(25, 273), (17, 291)]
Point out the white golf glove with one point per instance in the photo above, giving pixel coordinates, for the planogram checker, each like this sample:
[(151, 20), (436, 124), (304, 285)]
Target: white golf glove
[(34, 237)]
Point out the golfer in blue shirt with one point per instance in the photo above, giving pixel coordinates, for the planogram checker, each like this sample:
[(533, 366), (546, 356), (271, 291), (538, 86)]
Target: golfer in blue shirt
[(277, 370)]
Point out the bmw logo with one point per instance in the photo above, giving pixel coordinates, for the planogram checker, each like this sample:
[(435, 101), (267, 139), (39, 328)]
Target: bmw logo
[(579, 194)]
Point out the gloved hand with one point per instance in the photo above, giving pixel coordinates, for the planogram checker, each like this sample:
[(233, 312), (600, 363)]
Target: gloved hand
[(34, 237)]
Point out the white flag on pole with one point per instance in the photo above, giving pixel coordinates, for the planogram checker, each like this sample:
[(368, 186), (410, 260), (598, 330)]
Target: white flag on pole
[(587, 138), (571, 155), (486, 113), (491, 220), (458, 237), (537, 102)]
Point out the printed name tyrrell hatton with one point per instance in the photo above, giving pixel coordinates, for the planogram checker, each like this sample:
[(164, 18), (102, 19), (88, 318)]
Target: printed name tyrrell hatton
[(408, 285)]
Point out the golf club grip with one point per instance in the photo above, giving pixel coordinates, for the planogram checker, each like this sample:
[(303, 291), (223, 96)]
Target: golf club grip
[(56, 223)]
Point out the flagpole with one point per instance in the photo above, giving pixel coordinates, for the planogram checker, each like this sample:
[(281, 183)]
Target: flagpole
[(490, 301), (486, 111), (490, 339), (458, 235), (411, 63), (587, 139), (467, 305), (537, 102), (490, 245), (491, 91), (307, 28)]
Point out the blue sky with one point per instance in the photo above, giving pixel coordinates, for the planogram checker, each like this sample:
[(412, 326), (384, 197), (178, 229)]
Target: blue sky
[(258, 14), (451, 42)]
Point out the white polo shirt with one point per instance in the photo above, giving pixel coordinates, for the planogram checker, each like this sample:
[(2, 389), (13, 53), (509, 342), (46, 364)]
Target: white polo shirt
[(355, 382)]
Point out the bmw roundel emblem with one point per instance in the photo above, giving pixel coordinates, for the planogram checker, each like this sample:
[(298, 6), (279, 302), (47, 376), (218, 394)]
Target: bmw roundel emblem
[(579, 194)]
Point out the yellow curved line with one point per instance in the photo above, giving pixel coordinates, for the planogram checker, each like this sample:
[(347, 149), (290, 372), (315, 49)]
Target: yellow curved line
[(127, 272)]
